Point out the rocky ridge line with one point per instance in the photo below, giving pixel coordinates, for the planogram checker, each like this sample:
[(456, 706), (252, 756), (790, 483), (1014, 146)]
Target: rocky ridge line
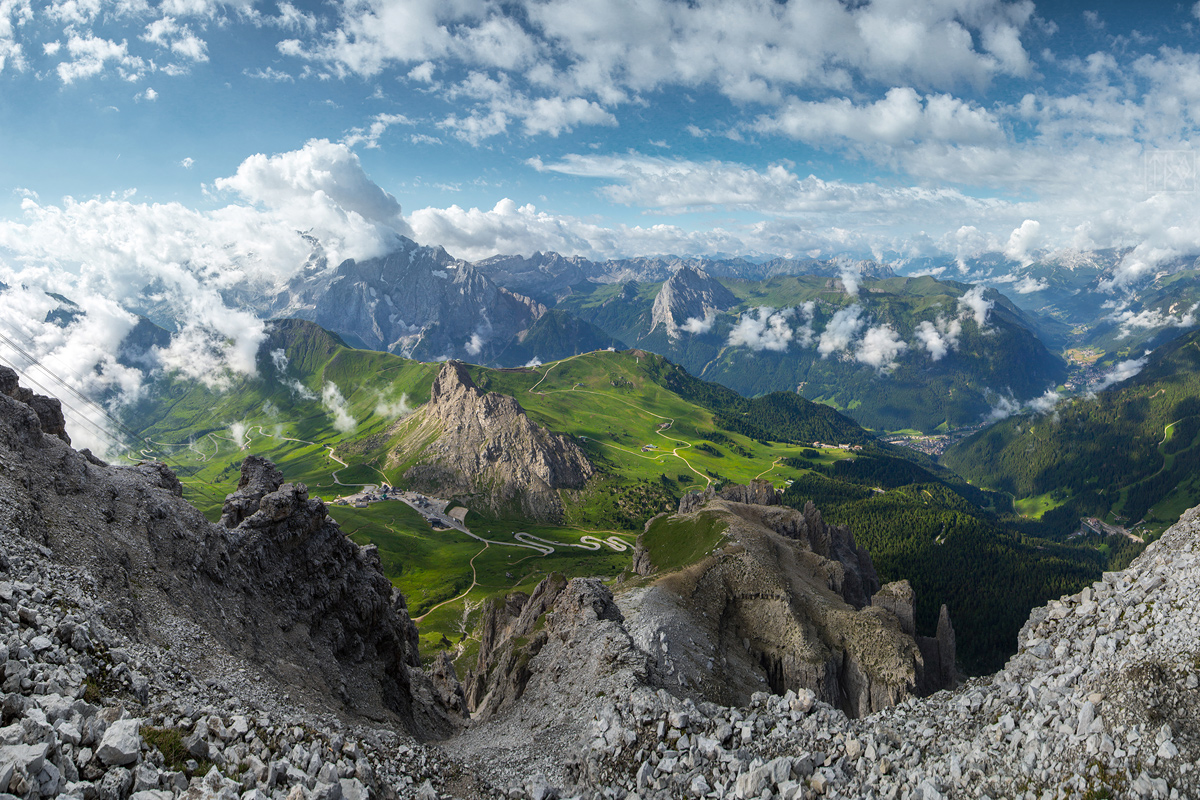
[(1100, 701), (481, 448)]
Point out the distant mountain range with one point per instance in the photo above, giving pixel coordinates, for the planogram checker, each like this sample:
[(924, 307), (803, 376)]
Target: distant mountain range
[(920, 353)]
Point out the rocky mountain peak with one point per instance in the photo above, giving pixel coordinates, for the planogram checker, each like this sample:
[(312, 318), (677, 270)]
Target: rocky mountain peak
[(481, 447), (690, 293), (47, 411)]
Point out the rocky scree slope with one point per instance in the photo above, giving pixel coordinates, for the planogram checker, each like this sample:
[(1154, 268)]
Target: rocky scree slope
[(1101, 700), (481, 448), (277, 583), (129, 669), (783, 602), (765, 612)]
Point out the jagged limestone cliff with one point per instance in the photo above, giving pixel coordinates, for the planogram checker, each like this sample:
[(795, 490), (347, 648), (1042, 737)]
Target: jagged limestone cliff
[(277, 583), (481, 448), (690, 293), (783, 602)]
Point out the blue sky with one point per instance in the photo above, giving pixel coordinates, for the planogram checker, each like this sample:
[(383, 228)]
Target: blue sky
[(171, 152), (622, 127)]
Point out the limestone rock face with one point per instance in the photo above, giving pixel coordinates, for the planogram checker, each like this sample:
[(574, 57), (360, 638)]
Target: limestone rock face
[(278, 583), (786, 604), (690, 293), (47, 410), (415, 301), (482, 448)]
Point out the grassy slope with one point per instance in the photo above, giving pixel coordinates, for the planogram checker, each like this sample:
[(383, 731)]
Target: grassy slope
[(920, 394), (615, 404), (610, 398), (1130, 453)]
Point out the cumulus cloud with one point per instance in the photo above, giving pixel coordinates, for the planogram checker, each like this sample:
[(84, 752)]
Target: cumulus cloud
[(323, 183), (1149, 318), (940, 337), (879, 347), (763, 328), (338, 408), (1004, 407), (840, 330), (393, 408), (698, 325), (1029, 284), (533, 362), (850, 274), (118, 258), (804, 333), (1122, 371), (1044, 404), (974, 302), (474, 345), (237, 432), (1023, 240), (900, 116)]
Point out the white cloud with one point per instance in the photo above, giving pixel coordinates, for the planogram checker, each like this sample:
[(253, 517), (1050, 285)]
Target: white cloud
[(1044, 404), (681, 185), (269, 74), (338, 408), (1149, 318), (1122, 371), (188, 162), (149, 95), (804, 333), (850, 274), (1029, 284), (939, 337), (398, 407), (321, 185), (533, 362), (91, 55), (974, 302), (840, 330), (1023, 240), (1004, 407), (879, 347), (697, 325), (370, 135), (474, 345), (763, 329), (902, 116)]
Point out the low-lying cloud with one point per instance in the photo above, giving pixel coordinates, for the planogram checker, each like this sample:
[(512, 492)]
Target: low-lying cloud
[(338, 408), (763, 328), (974, 302), (939, 337), (1121, 371), (393, 408), (697, 325), (880, 347), (840, 330)]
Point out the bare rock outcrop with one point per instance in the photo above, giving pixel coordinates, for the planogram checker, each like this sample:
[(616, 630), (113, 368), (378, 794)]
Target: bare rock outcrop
[(482, 448), (784, 604), (690, 293), (278, 584)]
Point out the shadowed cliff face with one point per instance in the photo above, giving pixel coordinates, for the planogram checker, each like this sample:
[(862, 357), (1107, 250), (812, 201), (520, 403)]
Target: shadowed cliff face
[(783, 602), (278, 582), (481, 448)]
